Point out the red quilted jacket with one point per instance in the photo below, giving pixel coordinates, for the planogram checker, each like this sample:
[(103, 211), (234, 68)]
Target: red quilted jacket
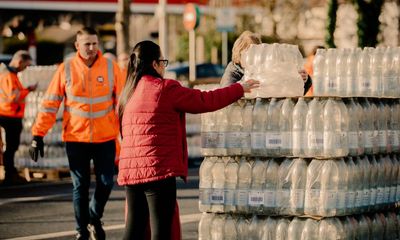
[(153, 127)]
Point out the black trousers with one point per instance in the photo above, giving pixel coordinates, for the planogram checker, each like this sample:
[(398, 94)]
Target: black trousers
[(154, 201), (13, 129)]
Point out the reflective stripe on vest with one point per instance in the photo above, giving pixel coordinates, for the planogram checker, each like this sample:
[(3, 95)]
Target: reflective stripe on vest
[(53, 97), (88, 100), (49, 109)]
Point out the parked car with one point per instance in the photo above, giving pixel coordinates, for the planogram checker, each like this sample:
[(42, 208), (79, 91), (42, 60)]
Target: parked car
[(205, 73)]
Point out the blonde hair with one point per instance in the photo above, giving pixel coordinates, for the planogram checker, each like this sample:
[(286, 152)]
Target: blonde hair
[(242, 43)]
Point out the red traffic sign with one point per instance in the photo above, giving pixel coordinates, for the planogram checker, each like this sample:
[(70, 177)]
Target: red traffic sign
[(191, 16)]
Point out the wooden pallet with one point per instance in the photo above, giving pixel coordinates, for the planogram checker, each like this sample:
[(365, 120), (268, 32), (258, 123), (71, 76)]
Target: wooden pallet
[(45, 173)]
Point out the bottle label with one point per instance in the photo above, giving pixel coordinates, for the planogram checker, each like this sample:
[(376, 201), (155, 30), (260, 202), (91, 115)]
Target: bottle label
[(246, 139), (353, 140), (282, 198), (242, 197), (341, 200), (332, 140), (286, 140), (209, 139), (230, 197), (396, 137), (299, 139), (273, 140), (358, 199), (270, 198), (392, 194), (329, 199), (382, 136), (257, 140), (366, 197), (369, 139), (256, 198), (315, 140), (372, 196), (204, 196), (221, 140), (386, 195), (297, 198), (393, 139), (379, 195), (350, 199), (233, 140), (217, 196)]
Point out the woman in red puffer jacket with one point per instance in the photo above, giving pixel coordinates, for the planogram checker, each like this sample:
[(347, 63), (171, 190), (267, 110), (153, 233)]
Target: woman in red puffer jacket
[(154, 149)]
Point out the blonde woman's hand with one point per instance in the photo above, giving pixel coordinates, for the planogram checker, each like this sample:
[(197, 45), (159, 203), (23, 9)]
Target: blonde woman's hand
[(249, 84), (303, 74)]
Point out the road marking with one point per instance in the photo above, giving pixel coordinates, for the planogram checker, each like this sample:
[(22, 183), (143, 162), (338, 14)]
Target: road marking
[(31, 199), (188, 218)]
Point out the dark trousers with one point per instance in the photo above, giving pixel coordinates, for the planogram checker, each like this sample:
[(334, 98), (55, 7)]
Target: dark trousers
[(13, 129), (154, 201), (79, 156)]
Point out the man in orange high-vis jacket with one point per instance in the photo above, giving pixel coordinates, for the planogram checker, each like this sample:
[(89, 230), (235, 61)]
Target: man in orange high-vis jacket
[(88, 84), (12, 106)]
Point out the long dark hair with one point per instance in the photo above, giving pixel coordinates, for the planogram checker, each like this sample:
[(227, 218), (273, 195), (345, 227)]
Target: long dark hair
[(140, 64)]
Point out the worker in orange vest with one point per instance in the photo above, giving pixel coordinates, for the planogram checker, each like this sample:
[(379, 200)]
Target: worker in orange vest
[(89, 85), (12, 107)]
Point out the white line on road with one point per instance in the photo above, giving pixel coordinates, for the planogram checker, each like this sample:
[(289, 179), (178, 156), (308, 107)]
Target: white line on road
[(188, 218)]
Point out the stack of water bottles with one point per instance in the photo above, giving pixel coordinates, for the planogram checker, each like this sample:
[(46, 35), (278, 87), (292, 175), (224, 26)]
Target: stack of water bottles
[(326, 167), (54, 153)]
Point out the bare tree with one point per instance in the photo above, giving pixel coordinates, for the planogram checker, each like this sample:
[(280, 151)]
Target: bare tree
[(122, 26)]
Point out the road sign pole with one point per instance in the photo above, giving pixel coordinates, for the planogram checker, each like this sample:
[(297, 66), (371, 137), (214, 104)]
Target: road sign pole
[(224, 48), (192, 55)]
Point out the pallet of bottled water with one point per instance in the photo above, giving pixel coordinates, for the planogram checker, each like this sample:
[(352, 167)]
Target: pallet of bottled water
[(379, 225), (299, 187), (303, 127)]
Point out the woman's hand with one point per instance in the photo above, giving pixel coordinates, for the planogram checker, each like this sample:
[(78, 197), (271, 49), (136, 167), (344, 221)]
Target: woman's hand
[(303, 74), (249, 84)]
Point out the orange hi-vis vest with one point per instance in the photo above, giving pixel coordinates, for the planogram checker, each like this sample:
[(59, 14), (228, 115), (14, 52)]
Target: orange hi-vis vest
[(12, 94), (90, 96)]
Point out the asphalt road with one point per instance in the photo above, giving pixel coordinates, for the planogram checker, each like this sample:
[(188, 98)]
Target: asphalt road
[(43, 210)]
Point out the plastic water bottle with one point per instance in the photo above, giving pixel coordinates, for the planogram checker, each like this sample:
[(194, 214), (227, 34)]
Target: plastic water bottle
[(242, 228), (344, 129), (381, 184), (244, 183), (254, 228), (391, 225), (394, 127), (218, 185), (256, 195), (269, 229), (329, 188), (350, 226), (375, 113), (230, 231), (332, 129), (218, 227), (282, 229), (376, 71), (313, 188), (393, 181), (351, 71), (383, 120), (259, 127), (387, 163), (285, 126), (362, 127), (209, 133), (221, 118), (363, 227), (373, 182), (341, 68), (270, 189), (389, 83), (364, 73), (358, 185), (398, 178), (351, 186), (331, 85), (310, 230), (205, 226), (319, 72), (247, 115), (205, 184), (366, 182), (231, 183), (315, 129), (331, 229), (369, 128), (295, 228), (273, 137), (342, 188), (354, 132), (378, 228), (299, 134), (235, 128)]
